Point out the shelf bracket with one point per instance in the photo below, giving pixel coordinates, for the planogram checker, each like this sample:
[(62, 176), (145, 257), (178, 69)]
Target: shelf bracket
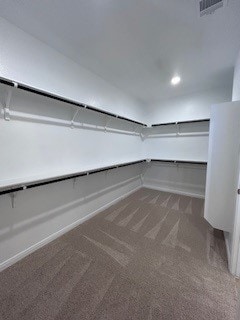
[(177, 129), (135, 128), (13, 197), (74, 182), (6, 105), (73, 118), (177, 164), (107, 121), (142, 136), (141, 133)]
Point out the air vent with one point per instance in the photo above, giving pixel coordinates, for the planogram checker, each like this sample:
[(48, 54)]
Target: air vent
[(209, 6)]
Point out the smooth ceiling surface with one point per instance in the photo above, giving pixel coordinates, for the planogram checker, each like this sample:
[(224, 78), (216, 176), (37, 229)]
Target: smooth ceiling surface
[(137, 45)]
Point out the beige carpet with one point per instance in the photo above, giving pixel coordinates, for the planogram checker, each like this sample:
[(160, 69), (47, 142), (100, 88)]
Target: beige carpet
[(151, 256)]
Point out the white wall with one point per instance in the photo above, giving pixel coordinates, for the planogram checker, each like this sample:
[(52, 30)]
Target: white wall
[(236, 80), (186, 179), (188, 107), (25, 59), (183, 148)]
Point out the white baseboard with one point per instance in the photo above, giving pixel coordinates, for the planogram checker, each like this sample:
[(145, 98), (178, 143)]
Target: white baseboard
[(154, 186), (59, 233)]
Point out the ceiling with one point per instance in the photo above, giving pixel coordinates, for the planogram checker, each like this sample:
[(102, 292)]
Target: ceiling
[(137, 45)]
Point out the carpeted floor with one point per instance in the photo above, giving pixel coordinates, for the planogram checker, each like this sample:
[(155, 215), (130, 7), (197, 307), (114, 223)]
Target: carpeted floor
[(151, 256)]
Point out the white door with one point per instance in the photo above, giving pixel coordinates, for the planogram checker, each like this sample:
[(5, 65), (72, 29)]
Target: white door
[(223, 164)]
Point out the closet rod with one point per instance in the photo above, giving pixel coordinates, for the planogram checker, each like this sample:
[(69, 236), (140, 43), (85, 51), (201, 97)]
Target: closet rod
[(179, 161), (29, 185), (58, 98), (180, 122)]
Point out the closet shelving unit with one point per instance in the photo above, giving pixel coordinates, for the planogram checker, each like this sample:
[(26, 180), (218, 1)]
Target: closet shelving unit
[(176, 126), (179, 161), (79, 105), (38, 183), (180, 122), (10, 189)]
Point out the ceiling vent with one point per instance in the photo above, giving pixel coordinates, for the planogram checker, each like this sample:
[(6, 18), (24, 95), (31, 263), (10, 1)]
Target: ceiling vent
[(209, 6)]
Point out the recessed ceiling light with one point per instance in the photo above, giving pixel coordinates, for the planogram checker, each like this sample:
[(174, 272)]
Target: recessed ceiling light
[(175, 80)]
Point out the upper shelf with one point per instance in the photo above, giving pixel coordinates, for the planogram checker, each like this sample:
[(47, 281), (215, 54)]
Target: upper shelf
[(28, 184), (12, 188), (30, 89), (180, 122), (189, 128), (179, 161), (62, 99)]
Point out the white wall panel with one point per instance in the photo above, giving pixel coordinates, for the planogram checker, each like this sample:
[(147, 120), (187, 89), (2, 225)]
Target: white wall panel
[(186, 179), (179, 148), (25, 59), (188, 107), (186, 141)]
